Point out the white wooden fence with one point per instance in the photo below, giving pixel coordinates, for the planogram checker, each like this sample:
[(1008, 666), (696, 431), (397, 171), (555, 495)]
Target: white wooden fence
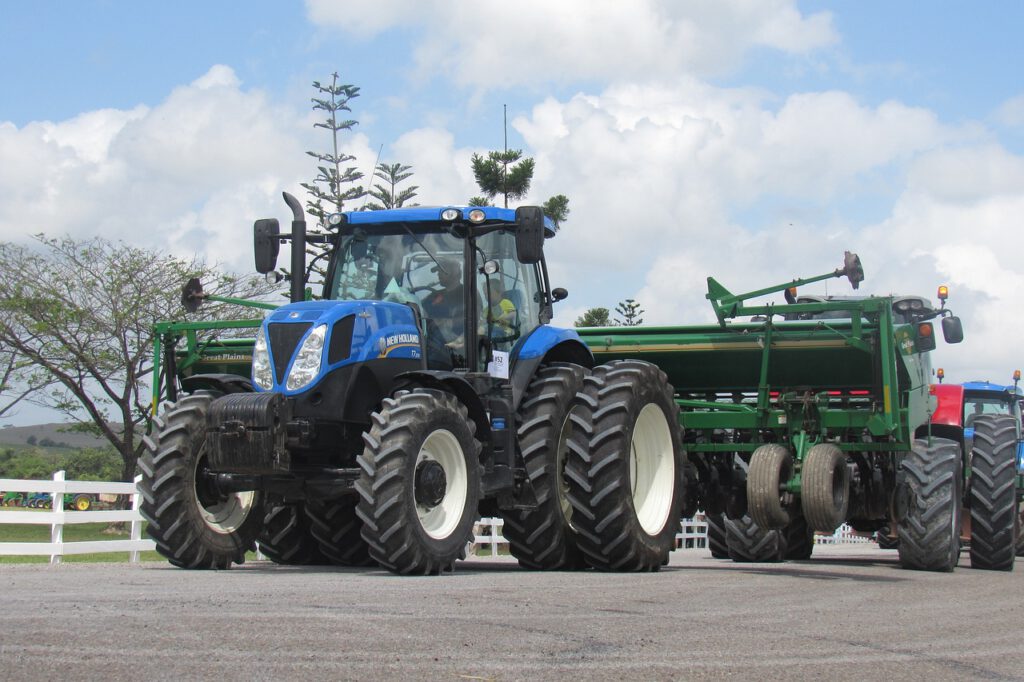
[(694, 534), (57, 518)]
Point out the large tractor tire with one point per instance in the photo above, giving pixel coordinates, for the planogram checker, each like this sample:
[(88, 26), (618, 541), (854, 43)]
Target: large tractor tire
[(929, 532), (338, 529), (543, 538), (286, 537), (825, 487), (993, 499), (625, 467), (749, 543), (798, 537), (419, 487), (771, 466), (193, 524), (717, 536)]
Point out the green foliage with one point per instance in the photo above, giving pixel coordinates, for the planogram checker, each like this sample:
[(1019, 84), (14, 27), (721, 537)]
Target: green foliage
[(87, 464), (387, 194), (506, 173), (557, 208), (328, 190), (629, 313), (594, 317)]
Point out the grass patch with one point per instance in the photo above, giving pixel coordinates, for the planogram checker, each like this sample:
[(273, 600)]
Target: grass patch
[(78, 532)]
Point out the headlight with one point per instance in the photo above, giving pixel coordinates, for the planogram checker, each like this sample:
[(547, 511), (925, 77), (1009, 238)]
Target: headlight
[(307, 362), (262, 375)]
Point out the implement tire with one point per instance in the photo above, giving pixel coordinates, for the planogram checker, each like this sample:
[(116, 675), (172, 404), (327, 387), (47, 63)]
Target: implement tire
[(286, 538), (993, 499), (929, 533), (625, 467), (338, 531), (543, 538), (771, 466), (825, 487), (749, 543), (419, 487), (717, 536), (193, 524)]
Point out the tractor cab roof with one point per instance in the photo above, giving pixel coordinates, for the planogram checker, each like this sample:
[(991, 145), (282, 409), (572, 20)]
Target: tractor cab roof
[(904, 307), (441, 215), (989, 387)]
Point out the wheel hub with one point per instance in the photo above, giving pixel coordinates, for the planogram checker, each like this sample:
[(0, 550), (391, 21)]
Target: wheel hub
[(430, 484)]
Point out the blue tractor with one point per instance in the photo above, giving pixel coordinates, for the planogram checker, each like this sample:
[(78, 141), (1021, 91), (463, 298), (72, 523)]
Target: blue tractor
[(424, 389)]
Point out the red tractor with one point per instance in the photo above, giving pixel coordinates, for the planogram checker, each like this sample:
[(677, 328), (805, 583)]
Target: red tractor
[(985, 418)]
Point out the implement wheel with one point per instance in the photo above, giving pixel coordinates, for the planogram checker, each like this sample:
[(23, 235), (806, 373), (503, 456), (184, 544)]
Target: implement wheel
[(194, 525), (625, 467), (338, 529), (543, 538), (994, 512), (929, 533), (420, 482), (286, 538), (749, 543), (825, 487), (770, 467)]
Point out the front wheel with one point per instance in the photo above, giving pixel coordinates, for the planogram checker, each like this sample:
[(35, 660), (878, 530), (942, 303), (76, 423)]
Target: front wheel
[(419, 484), (193, 523), (625, 467), (929, 532)]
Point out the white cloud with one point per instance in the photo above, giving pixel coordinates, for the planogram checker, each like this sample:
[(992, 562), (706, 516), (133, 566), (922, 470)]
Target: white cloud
[(522, 43), (188, 174)]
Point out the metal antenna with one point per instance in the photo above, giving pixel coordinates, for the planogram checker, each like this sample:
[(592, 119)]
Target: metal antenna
[(375, 163)]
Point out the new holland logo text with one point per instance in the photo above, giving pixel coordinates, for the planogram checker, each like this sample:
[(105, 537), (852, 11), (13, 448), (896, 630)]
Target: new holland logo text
[(387, 344)]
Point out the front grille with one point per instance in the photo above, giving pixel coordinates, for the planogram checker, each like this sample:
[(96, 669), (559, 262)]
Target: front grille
[(284, 338)]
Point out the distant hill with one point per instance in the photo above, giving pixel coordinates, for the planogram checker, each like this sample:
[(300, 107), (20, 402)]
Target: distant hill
[(53, 433)]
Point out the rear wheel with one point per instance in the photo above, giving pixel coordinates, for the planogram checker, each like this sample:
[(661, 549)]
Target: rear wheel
[(193, 524), (337, 529), (543, 538), (625, 467), (771, 466), (798, 538), (993, 500), (825, 487), (929, 532), (286, 538), (420, 482), (749, 543)]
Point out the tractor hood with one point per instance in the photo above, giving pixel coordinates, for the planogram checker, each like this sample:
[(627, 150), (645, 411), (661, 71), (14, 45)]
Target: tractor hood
[(307, 340)]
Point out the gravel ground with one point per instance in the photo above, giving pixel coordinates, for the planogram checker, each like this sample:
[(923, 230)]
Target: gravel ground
[(849, 613)]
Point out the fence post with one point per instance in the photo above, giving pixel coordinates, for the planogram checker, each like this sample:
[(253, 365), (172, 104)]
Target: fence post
[(57, 509), (133, 556)]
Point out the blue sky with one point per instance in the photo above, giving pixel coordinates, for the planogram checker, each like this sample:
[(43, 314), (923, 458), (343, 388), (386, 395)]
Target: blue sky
[(751, 141)]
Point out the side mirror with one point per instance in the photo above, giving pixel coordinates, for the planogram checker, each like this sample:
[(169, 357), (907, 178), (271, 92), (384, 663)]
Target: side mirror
[(266, 245), (529, 234), (952, 329), (559, 294)]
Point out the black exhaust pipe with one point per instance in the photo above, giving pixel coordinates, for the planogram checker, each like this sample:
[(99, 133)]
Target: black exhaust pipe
[(298, 292)]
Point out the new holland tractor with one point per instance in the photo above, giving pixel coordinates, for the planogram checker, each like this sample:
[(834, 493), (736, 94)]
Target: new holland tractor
[(804, 416), (425, 388), (985, 419)]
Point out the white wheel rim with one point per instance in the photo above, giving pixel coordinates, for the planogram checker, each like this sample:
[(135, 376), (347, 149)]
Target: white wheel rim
[(440, 520), (652, 469), (226, 515)]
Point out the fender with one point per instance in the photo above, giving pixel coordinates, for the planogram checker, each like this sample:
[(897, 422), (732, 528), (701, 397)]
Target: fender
[(453, 383), (545, 345)]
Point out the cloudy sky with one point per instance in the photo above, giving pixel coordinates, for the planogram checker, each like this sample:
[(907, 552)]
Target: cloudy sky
[(751, 140)]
